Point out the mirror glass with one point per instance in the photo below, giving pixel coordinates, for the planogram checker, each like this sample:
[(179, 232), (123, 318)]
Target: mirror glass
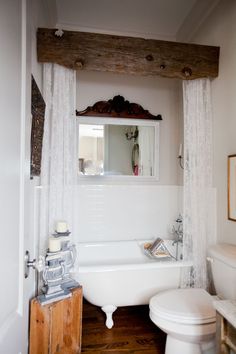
[(111, 149)]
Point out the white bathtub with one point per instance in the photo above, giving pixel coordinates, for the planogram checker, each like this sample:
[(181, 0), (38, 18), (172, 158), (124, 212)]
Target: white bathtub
[(118, 273)]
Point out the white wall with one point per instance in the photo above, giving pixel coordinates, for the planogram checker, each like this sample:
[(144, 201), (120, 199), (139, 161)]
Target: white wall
[(39, 17), (126, 211), (220, 30)]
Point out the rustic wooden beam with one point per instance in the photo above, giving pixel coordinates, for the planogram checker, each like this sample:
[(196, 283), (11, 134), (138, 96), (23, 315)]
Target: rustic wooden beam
[(127, 55)]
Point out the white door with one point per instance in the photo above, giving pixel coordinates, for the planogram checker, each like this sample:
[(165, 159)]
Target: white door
[(14, 178)]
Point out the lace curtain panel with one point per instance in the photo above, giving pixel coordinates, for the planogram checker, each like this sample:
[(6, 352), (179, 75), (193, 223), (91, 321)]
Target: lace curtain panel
[(198, 193), (59, 153)]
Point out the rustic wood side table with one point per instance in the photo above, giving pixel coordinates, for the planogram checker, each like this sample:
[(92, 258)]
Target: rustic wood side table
[(56, 328), (225, 326)]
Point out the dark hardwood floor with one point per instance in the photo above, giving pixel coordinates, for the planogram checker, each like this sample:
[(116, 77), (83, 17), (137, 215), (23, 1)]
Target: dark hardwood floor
[(132, 333)]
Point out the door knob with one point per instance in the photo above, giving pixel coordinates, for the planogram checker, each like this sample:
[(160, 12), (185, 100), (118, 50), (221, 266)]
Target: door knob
[(29, 264)]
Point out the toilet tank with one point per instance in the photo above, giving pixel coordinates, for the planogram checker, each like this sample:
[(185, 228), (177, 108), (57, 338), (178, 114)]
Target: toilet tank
[(223, 265)]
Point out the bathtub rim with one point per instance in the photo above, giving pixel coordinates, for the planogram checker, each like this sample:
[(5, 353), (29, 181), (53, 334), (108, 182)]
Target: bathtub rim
[(132, 266), (85, 267)]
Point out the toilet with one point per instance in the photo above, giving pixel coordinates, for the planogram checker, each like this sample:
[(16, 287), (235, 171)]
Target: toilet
[(187, 315)]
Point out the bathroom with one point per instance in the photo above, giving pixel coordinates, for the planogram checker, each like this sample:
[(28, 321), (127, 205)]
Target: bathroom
[(141, 209)]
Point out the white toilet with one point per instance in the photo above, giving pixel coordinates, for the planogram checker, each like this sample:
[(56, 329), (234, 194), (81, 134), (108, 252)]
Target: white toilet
[(187, 315)]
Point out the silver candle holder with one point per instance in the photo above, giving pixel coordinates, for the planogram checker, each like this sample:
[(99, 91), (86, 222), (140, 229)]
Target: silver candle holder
[(57, 281)]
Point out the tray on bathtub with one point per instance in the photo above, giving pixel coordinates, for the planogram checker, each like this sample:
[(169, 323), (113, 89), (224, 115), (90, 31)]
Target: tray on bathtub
[(161, 255)]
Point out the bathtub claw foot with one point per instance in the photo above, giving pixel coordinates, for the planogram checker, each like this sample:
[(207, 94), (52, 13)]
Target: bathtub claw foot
[(109, 309)]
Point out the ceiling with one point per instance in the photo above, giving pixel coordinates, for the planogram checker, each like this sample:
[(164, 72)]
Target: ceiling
[(157, 19)]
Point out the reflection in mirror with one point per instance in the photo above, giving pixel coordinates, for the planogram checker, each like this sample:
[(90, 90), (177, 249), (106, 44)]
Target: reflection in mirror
[(111, 149), (91, 149)]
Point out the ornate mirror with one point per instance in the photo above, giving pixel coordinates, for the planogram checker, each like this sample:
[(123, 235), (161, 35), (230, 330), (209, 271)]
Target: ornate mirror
[(118, 138)]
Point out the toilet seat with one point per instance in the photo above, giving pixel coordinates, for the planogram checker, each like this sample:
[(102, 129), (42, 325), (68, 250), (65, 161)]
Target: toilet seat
[(184, 306)]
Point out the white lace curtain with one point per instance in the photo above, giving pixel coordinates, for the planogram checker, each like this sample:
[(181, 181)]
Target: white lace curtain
[(59, 154), (198, 201)]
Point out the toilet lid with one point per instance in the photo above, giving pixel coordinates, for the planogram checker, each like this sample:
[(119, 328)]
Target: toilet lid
[(190, 306)]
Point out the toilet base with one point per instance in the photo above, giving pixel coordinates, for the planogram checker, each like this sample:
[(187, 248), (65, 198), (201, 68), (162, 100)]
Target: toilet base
[(176, 346)]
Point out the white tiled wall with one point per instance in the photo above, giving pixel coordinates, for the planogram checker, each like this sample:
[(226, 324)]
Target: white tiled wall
[(119, 212)]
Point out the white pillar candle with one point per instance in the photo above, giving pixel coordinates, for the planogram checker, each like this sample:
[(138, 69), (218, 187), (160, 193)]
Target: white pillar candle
[(180, 150), (54, 244), (61, 227)]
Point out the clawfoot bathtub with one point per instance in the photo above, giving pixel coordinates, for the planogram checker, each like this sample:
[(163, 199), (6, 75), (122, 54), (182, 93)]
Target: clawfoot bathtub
[(118, 273)]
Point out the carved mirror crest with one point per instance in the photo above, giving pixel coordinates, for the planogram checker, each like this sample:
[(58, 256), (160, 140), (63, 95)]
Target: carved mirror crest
[(118, 107)]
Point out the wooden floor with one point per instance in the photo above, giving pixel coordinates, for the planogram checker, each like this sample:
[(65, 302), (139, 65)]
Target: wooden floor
[(132, 333)]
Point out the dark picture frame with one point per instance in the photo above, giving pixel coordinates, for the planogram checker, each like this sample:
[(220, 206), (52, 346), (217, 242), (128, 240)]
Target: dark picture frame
[(38, 107)]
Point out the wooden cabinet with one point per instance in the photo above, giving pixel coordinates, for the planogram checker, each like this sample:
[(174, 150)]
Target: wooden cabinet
[(56, 328), (225, 336)]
